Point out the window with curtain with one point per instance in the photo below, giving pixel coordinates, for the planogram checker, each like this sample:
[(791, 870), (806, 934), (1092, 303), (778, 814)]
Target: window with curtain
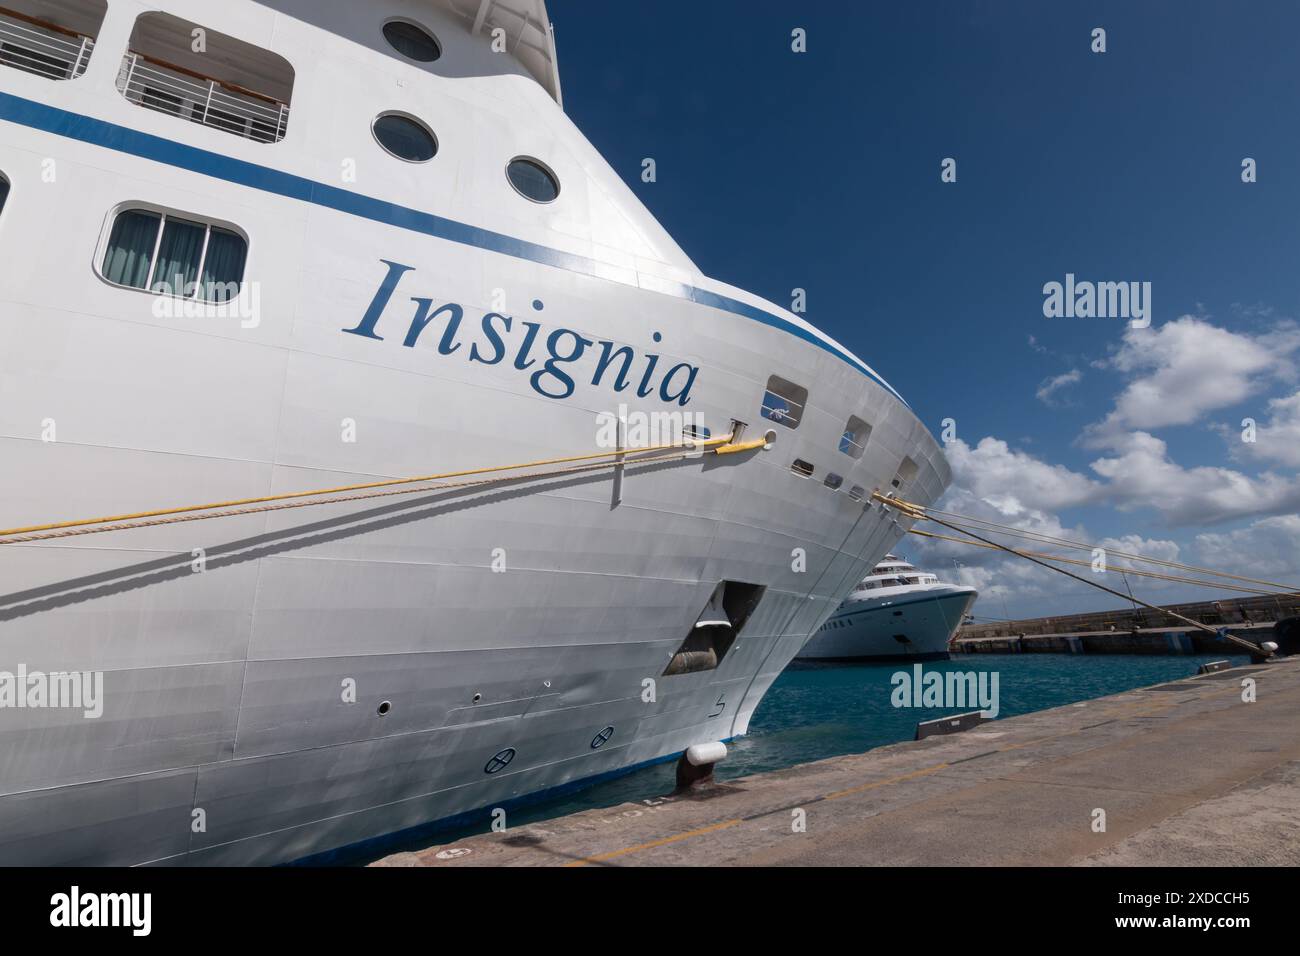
[(170, 255)]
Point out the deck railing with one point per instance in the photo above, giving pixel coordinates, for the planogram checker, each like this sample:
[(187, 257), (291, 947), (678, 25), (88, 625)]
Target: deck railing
[(44, 49), (168, 89)]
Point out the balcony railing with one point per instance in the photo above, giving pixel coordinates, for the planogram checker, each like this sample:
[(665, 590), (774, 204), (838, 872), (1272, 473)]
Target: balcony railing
[(169, 89), (42, 48)]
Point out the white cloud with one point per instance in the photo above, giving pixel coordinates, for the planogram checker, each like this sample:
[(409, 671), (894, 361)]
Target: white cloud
[(1141, 474), (1173, 375), (1012, 488), (1278, 438), (1160, 548), (1049, 386), (1001, 579), (997, 509), (1185, 368), (1268, 549), (992, 470)]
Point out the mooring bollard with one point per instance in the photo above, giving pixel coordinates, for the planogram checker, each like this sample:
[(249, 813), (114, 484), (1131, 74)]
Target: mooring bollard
[(696, 765), (950, 725)]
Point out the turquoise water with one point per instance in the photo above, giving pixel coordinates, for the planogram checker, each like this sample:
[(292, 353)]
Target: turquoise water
[(818, 711), (814, 711)]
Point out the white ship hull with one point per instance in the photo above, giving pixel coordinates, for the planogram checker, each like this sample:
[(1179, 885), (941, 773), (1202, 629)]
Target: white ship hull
[(914, 626), (224, 737)]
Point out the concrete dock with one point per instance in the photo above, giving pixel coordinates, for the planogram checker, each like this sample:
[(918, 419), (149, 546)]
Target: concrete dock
[(1187, 774)]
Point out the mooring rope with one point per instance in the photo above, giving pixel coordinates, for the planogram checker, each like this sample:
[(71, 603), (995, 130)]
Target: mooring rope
[(983, 524), (919, 513), (371, 489), (1122, 570)]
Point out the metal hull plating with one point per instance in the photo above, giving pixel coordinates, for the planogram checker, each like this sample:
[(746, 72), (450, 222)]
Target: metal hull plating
[(869, 630), (526, 616)]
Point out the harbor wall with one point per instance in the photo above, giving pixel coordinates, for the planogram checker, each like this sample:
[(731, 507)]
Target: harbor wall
[(1130, 630)]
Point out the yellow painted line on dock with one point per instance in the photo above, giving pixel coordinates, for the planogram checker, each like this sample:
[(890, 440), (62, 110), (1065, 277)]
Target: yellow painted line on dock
[(614, 854)]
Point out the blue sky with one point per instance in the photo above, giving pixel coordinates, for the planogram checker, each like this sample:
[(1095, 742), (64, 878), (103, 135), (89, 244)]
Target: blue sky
[(821, 170)]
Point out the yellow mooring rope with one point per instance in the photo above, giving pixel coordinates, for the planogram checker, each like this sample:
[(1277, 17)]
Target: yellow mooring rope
[(370, 489)]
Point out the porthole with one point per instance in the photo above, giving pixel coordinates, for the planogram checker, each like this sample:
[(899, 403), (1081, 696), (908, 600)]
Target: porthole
[(532, 180), (602, 738), (4, 191), (384, 707), (412, 41), (405, 137)]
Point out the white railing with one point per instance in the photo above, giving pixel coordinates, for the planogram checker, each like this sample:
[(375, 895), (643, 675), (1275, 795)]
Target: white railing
[(207, 102), (45, 52)]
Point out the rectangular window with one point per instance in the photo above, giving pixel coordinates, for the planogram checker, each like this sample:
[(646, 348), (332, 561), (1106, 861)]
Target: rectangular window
[(803, 469), (229, 85), (174, 256), (784, 402), (832, 480), (50, 38), (907, 470), (854, 440)]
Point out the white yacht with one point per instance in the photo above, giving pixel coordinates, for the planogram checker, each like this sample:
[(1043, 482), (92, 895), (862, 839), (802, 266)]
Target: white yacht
[(253, 250), (895, 612)]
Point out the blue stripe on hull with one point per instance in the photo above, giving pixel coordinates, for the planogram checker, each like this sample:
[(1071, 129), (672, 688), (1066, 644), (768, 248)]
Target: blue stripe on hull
[(122, 139), (894, 604)]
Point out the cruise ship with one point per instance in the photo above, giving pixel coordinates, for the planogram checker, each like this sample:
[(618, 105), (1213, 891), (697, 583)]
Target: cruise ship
[(894, 612), (258, 251)]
